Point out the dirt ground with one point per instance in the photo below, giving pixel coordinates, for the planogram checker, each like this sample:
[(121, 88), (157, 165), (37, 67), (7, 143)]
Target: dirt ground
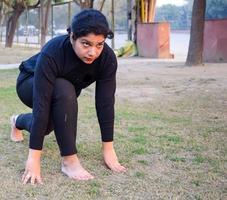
[(144, 80)]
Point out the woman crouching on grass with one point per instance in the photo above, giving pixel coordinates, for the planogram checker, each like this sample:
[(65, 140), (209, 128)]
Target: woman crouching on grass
[(50, 83)]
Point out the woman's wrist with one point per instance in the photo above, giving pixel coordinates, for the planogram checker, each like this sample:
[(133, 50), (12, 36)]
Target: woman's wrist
[(34, 154), (106, 146)]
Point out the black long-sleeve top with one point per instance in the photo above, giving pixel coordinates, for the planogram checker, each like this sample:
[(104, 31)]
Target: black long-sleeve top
[(57, 59)]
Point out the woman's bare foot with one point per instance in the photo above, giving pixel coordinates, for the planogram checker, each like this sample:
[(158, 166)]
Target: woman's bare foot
[(16, 134), (110, 158), (72, 168)]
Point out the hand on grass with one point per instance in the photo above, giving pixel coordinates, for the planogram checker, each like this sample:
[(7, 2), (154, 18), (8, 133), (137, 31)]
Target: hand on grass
[(32, 168), (110, 158)]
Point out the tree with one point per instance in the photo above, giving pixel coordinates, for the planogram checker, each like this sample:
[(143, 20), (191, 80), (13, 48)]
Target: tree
[(45, 6), (16, 7), (195, 50), (1, 11), (44, 15)]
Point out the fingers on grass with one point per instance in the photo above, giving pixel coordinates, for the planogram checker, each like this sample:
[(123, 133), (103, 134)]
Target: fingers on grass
[(118, 168), (83, 178), (39, 180), (27, 176)]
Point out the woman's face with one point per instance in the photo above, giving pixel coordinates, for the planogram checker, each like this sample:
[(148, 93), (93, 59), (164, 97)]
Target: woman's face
[(89, 47)]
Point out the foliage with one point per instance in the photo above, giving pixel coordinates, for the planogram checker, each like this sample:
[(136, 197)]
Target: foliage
[(12, 3), (216, 9), (180, 16), (84, 3), (120, 11), (60, 14)]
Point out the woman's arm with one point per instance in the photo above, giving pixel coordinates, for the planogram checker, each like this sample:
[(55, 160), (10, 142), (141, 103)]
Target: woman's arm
[(32, 168), (105, 99), (44, 79), (45, 75)]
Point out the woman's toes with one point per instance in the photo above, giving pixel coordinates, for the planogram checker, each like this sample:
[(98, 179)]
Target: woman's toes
[(16, 134)]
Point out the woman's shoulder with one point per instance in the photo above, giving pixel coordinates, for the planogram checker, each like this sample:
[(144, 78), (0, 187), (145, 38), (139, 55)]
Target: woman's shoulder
[(108, 54), (56, 44), (107, 49), (108, 60)]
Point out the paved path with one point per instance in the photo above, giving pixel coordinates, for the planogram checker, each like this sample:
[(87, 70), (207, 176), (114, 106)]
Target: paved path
[(9, 66), (120, 61)]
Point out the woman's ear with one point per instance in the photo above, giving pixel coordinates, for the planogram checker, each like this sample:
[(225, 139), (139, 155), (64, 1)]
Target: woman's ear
[(71, 37)]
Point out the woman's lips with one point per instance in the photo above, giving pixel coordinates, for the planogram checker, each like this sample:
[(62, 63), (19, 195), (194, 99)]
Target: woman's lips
[(89, 59)]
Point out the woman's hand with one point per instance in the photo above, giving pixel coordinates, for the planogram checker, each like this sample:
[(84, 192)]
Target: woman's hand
[(110, 157), (32, 168)]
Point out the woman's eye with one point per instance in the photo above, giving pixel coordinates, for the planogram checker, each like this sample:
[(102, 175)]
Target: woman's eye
[(86, 44), (100, 45)]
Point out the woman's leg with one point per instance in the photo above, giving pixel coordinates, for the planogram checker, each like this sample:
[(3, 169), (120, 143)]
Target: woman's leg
[(23, 121), (64, 110), (64, 113), (25, 93), (63, 118)]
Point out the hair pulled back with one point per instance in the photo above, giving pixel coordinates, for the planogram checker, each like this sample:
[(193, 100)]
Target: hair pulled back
[(90, 21)]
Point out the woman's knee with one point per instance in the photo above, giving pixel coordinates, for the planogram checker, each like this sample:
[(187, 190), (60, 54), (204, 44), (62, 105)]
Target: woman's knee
[(64, 90), (25, 89)]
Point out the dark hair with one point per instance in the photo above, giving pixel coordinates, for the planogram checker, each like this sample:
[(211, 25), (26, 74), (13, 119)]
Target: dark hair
[(90, 21)]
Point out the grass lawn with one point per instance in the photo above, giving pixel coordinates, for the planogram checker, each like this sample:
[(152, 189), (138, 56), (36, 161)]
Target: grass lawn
[(173, 149)]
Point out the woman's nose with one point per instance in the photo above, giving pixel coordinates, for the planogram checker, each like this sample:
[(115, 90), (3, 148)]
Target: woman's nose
[(92, 51)]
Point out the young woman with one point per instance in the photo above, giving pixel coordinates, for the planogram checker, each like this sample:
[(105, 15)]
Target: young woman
[(50, 83)]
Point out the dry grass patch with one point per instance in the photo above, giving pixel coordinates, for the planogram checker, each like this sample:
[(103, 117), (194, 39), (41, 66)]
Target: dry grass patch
[(173, 146)]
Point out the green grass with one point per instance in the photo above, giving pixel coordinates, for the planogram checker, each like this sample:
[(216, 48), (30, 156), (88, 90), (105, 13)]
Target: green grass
[(140, 139), (94, 189), (144, 162), (140, 175), (175, 149), (199, 159), (175, 158), (174, 139)]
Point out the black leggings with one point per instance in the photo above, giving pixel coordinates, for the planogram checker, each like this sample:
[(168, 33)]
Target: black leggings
[(64, 103)]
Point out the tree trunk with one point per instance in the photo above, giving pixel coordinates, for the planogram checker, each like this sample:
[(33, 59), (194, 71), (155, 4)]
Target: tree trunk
[(195, 51), (44, 15), (112, 22), (129, 18), (133, 14), (1, 12), (12, 24), (101, 5)]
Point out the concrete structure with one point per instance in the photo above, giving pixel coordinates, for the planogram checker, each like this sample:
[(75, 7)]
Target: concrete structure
[(153, 40), (215, 41)]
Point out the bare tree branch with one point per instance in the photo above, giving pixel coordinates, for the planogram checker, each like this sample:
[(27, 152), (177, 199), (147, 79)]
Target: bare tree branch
[(7, 3), (102, 4)]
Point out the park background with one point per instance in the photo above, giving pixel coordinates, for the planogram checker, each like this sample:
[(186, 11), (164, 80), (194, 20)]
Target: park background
[(170, 124)]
